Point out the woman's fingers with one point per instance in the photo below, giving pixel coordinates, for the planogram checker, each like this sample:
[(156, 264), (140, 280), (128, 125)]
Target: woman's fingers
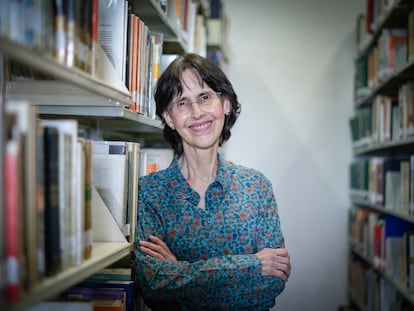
[(157, 248), (275, 262)]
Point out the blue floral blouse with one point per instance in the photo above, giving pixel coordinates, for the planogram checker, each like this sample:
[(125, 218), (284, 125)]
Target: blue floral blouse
[(216, 269)]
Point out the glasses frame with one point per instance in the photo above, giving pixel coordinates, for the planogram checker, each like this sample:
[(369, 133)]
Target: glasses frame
[(189, 104)]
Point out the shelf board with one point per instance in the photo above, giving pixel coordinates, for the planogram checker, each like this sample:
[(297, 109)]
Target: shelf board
[(400, 145), (105, 117), (390, 86), (56, 99), (151, 13), (103, 254), (157, 20), (45, 63), (382, 209)]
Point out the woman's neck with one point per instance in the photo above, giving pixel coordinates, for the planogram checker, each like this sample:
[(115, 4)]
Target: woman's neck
[(199, 167)]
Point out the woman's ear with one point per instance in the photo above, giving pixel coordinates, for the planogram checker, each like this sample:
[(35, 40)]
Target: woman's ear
[(226, 106), (168, 119)]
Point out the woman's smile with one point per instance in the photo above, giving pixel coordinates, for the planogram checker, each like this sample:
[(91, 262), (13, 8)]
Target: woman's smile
[(200, 126)]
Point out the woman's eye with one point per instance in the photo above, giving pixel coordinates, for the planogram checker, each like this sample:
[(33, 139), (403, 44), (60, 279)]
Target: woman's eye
[(181, 103), (205, 97)]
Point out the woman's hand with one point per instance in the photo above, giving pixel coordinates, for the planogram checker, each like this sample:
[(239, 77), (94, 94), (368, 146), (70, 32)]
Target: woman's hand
[(275, 262), (157, 248)]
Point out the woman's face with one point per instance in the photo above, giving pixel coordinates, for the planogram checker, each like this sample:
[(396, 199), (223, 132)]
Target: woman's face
[(197, 113)]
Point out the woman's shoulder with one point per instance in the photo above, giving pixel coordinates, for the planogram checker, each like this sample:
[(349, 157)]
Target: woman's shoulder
[(242, 171), (154, 177)]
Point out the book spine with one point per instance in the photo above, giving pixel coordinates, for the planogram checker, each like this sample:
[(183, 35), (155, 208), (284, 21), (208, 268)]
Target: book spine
[(52, 224), (94, 35), (71, 35), (410, 42), (59, 30), (12, 221), (88, 200), (40, 203)]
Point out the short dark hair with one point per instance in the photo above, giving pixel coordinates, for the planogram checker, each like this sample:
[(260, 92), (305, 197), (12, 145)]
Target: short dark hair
[(170, 85)]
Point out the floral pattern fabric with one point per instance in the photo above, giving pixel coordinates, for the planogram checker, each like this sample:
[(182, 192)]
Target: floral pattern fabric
[(217, 269)]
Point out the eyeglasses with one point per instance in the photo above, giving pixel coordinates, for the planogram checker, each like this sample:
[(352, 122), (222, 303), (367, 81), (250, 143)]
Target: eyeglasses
[(204, 100)]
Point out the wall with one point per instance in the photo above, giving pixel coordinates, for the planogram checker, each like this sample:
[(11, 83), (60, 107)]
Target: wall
[(292, 67)]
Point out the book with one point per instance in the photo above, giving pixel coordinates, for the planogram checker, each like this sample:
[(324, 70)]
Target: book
[(154, 159), (113, 274), (40, 201), (52, 217), (398, 228), (69, 215), (392, 46), (4, 19), (410, 261), (94, 37), (88, 18), (98, 296), (62, 306), (59, 31), (410, 35), (406, 102), (88, 197), (132, 202), (405, 187), (200, 36), (133, 30), (191, 24), (142, 78), (12, 217), (104, 226), (110, 178), (25, 127), (127, 286), (157, 39), (411, 182), (112, 22), (108, 305), (71, 33), (391, 181)]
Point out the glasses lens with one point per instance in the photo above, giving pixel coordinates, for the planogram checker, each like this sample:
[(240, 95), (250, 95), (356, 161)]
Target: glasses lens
[(185, 106)]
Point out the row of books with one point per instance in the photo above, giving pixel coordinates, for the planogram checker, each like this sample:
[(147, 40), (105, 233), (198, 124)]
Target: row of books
[(387, 119), (384, 181), (190, 23), (386, 242), (375, 11), (100, 37), (369, 290), (370, 21), (134, 51), (65, 29), (109, 289), (47, 198), (58, 187), (144, 52), (391, 52), (104, 38)]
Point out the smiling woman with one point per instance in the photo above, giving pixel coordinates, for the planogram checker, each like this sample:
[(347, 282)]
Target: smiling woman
[(208, 231)]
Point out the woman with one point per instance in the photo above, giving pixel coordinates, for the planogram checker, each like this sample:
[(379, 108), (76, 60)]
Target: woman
[(208, 233)]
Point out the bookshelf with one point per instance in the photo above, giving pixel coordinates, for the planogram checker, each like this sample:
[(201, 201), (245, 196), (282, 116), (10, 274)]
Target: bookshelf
[(381, 217), (101, 107)]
